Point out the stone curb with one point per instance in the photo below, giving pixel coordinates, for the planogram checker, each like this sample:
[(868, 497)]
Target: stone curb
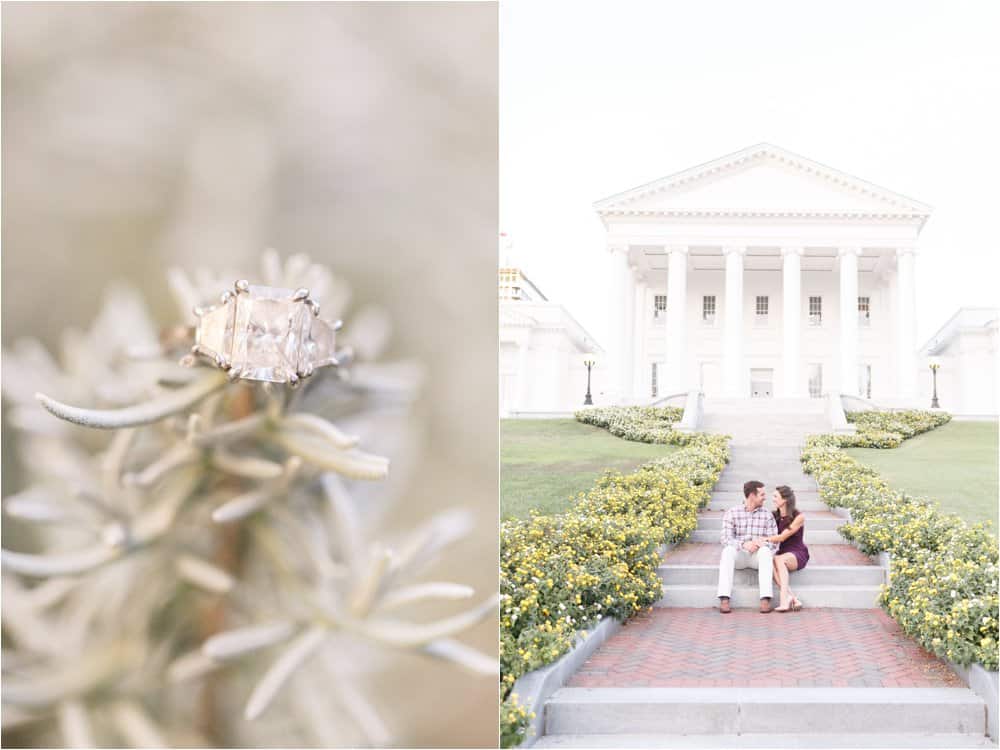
[(534, 688), (984, 684)]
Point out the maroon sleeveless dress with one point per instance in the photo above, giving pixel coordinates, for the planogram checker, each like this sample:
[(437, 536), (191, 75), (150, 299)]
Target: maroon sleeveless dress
[(794, 543)]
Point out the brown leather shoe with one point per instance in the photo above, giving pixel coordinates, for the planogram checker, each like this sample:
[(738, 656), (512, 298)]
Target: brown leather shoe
[(724, 605), (765, 605)]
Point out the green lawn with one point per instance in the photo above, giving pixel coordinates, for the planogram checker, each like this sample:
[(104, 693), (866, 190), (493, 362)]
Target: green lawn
[(955, 464), (544, 463)]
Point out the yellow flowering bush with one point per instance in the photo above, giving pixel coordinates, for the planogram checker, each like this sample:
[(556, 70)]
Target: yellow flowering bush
[(640, 424), (514, 720), (562, 573), (888, 429), (943, 588)]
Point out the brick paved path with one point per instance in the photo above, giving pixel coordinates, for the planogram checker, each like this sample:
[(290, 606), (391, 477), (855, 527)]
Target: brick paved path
[(812, 648)]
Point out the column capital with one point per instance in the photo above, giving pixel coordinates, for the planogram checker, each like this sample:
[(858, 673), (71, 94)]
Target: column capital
[(734, 250), (786, 251), (855, 251), (681, 249)]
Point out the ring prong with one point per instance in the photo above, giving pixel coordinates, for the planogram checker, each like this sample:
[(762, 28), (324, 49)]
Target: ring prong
[(225, 296), (293, 379), (242, 286), (300, 294), (314, 306), (195, 349), (234, 373)]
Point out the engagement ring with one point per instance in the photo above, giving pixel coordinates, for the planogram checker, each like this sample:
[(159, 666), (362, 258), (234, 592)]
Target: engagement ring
[(265, 333)]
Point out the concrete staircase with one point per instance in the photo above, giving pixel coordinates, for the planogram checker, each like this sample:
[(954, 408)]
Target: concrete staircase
[(765, 421), (849, 586), (765, 447)]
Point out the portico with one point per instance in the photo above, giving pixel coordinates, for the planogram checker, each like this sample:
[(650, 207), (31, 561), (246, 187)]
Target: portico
[(763, 274)]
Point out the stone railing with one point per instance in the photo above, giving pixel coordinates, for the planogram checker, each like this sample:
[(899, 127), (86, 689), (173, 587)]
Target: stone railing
[(835, 413)]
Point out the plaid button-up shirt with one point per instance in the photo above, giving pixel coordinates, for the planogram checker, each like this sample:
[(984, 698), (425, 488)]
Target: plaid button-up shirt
[(740, 525)]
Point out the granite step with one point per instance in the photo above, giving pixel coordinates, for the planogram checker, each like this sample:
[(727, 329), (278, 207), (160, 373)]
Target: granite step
[(811, 575), (797, 741), (747, 595), (816, 520), (756, 711), (810, 536)]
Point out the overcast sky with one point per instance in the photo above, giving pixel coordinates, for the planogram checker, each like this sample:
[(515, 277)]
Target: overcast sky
[(598, 97)]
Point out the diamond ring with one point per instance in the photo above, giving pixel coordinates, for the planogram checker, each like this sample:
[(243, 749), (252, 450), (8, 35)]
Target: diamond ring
[(265, 333)]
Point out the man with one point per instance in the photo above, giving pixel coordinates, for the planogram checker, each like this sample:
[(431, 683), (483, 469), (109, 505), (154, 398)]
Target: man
[(744, 528)]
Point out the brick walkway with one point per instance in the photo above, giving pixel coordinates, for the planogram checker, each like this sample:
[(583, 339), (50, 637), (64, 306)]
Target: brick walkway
[(811, 648), (819, 554)]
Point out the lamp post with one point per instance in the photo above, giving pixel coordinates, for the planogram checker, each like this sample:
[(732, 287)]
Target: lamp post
[(935, 364), (588, 362)]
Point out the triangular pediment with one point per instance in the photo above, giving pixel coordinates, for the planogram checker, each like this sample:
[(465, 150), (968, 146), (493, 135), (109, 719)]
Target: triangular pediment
[(761, 179)]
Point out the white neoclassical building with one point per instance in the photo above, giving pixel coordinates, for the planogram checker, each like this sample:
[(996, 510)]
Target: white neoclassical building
[(763, 274), (967, 351), (542, 352)]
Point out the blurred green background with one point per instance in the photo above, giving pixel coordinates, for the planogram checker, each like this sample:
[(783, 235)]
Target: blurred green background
[(140, 136)]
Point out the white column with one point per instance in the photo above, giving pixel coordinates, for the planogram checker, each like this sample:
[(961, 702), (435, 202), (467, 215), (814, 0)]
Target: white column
[(629, 334), (675, 380), (617, 340), (791, 321), (849, 319), (906, 323), (733, 380), (523, 395), (639, 391)]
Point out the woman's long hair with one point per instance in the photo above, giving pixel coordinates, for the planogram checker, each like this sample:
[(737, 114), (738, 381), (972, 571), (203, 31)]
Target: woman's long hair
[(786, 492)]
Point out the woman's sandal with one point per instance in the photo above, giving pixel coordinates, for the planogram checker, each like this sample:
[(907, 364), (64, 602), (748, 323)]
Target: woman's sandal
[(796, 605)]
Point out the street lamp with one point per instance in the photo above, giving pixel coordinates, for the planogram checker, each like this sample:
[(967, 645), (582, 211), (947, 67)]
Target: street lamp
[(935, 364), (588, 362)]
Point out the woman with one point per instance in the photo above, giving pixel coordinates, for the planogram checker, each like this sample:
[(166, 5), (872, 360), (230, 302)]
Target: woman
[(792, 551)]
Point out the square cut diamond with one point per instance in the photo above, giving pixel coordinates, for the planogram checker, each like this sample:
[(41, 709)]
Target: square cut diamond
[(269, 334)]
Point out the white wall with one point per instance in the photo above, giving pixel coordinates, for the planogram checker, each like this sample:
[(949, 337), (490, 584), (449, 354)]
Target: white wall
[(762, 346), (968, 380), (541, 362)]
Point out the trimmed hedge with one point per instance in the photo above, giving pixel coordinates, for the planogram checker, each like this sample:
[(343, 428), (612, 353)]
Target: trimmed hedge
[(640, 424), (943, 587), (562, 573), (885, 429)]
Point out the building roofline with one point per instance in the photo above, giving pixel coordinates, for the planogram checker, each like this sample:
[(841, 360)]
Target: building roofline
[(615, 203)]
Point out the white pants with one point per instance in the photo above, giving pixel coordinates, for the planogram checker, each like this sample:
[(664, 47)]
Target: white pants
[(732, 558)]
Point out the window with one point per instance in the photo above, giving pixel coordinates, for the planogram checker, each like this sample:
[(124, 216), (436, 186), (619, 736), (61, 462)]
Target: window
[(659, 305), (652, 391), (815, 380), (864, 311), (762, 308), (815, 311), (708, 310)]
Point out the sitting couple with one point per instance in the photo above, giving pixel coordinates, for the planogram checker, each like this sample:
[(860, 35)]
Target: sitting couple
[(771, 543)]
